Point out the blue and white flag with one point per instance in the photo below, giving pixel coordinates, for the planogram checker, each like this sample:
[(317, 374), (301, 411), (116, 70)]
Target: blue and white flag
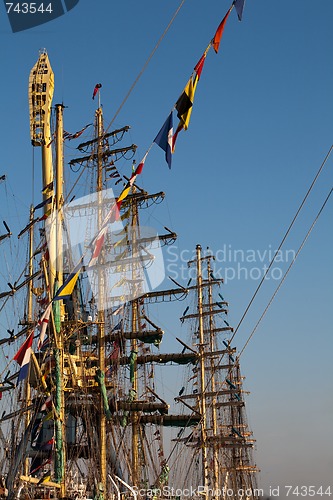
[(164, 139)]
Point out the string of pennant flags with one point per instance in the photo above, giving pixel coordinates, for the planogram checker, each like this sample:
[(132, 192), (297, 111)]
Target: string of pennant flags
[(68, 136), (166, 140), (23, 355), (66, 290)]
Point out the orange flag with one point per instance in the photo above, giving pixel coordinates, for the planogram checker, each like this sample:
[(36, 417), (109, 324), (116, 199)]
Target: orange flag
[(219, 32)]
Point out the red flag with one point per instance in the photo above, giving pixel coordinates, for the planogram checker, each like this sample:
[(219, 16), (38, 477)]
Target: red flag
[(22, 357), (198, 67), (80, 132), (19, 356), (98, 247), (96, 89), (42, 325), (219, 32), (139, 168), (175, 135), (115, 211)]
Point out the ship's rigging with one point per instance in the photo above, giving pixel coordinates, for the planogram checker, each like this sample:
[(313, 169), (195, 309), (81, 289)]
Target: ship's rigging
[(92, 416), (90, 421)]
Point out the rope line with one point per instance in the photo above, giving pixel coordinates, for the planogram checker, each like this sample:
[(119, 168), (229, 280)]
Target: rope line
[(145, 65), (285, 274), (282, 241)]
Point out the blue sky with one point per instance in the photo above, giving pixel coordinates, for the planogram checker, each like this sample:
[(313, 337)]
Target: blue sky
[(260, 128)]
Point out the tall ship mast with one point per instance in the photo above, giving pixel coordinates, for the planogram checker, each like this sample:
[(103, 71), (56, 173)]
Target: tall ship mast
[(88, 420), (221, 446)]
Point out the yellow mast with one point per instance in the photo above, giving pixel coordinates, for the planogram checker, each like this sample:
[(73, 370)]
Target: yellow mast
[(101, 289), (59, 192), (41, 88)]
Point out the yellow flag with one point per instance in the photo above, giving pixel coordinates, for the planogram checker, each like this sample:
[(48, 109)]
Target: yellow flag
[(184, 104), (124, 193)]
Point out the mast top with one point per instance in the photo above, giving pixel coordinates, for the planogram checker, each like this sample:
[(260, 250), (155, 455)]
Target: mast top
[(41, 88)]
